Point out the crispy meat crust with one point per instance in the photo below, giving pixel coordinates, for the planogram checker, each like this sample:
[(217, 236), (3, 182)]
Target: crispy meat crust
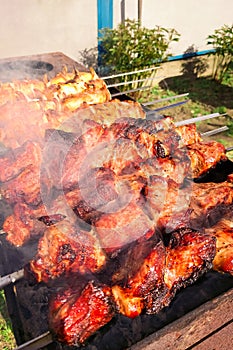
[(66, 248), (77, 314), (223, 232)]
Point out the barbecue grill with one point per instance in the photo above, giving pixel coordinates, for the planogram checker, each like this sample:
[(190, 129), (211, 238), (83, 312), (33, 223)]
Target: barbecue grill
[(173, 327)]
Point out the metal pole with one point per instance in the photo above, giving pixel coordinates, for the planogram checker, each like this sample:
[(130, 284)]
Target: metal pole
[(140, 11), (122, 11)]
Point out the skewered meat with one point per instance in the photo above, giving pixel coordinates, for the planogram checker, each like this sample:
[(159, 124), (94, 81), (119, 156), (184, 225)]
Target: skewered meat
[(66, 248), (162, 272), (70, 162), (209, 202), (72, 88), (77, 313), (45, 105), (124, 144), (223, 232), (123, 227), (109, 196), (205, 155), (130, 297), (25, 188), (169, 203), (189, 254), (14, 162), (22, 224), (191, 204)]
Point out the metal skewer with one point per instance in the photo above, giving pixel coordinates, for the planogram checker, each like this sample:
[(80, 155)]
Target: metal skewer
[(229, 149), (129, 73), (215, 131), (150, 112), (129, 91), (131, 82), (37, 343), (11, 278), (199, 119), (164, 99)]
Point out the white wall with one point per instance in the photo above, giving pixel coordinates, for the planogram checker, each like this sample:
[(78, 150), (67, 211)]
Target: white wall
[(193, 19), (38, 26)]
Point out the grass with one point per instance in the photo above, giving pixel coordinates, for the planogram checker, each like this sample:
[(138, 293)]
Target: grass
[(7, 340)]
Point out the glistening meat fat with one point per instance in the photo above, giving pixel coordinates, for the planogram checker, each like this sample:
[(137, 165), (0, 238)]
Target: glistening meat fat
[(78, 312)]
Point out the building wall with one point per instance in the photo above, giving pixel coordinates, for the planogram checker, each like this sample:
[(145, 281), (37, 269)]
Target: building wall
[(38, 26), (193, 19)]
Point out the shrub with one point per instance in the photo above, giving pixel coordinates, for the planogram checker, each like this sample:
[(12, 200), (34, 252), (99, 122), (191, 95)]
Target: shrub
[(132, 47), (222, 42)]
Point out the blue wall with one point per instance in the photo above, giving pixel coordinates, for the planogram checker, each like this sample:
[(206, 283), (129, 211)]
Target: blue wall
[(105, 14)]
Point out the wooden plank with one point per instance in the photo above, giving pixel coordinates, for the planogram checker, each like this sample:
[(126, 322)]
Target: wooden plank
[(190, 330), (223, 339)]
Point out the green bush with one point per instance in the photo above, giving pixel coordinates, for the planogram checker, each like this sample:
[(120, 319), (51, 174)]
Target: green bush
[(132, 47), (222, 43)]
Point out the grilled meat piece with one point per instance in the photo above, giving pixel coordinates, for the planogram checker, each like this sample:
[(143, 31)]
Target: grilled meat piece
[(66, 248), (22, 224), (13, 132), (204, 156), (188, 135), (195, 205), (169, 203), (209, 202), (77, 313), (25, 188), (72, 89), (223, 232), (188, 256), (14, 162), (49, 220), (162, 272), (99, 193), (26, 221), (126, 225), (175, 167), (130, 297)]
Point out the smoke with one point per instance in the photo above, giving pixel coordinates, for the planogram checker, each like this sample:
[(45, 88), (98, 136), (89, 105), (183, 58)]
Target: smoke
[(23, 69), (108, 175)]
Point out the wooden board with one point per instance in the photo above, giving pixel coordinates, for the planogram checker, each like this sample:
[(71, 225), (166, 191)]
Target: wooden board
[(209, 327)]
